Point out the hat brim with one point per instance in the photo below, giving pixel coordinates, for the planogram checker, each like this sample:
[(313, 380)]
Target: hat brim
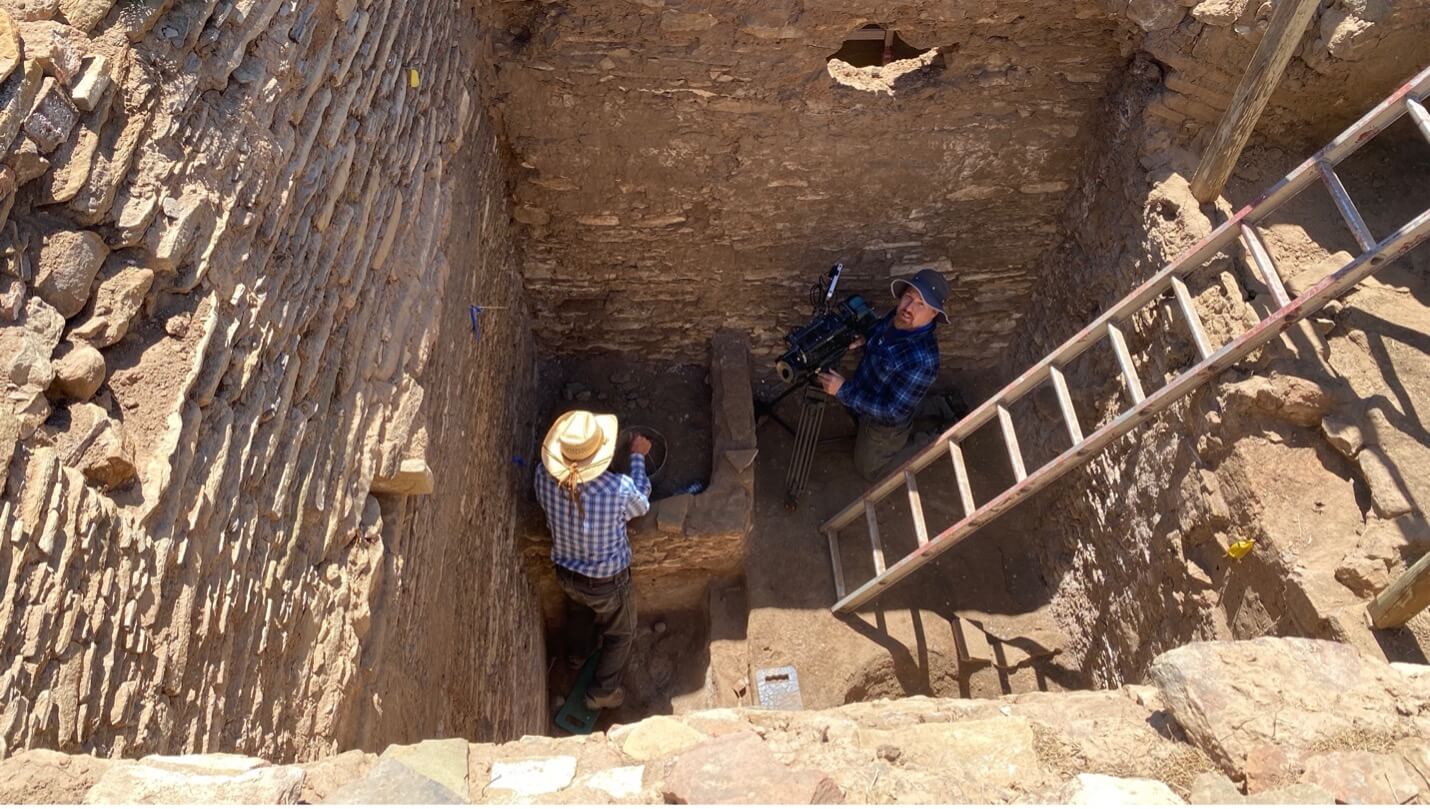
[(590, 469), (894, 287)]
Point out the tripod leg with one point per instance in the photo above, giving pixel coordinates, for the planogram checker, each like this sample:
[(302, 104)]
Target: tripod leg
[(811, 418)]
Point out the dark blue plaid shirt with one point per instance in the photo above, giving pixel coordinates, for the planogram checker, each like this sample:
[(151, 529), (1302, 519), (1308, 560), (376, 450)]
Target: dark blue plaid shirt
[(897, 369)]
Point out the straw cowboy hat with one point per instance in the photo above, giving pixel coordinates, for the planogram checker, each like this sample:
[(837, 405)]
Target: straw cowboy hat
[(579, 445)]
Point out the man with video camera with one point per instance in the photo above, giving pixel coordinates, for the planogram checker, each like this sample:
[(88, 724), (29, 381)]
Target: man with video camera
[(899, 365)]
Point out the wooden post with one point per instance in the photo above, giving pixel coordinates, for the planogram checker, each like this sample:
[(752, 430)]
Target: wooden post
[(1405, 597), (1283, 34)]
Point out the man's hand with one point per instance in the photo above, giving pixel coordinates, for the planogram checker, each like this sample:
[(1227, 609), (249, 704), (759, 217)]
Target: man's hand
[(640, 445), (857, 344), (831, 381)]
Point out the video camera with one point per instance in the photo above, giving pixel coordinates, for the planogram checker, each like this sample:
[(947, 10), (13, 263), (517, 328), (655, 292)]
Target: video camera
[(820, 344)]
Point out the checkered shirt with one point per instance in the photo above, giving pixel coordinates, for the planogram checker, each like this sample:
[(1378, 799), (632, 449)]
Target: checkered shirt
[(596, 546), (897, 369)]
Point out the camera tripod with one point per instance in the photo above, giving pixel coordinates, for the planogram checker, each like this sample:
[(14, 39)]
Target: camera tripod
[(806, 435)]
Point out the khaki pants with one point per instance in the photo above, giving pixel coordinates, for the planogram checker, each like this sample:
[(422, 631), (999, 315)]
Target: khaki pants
[(876, 444)]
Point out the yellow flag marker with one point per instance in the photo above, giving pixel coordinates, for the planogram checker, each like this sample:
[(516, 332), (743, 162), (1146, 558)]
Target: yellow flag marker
[(413, 80), (1240, 548)]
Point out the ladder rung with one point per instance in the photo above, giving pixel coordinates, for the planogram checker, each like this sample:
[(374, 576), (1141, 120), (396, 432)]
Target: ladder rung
[(1419, 115), (960, 474), (1124, 359), (1189, 314), (874, 543), (1060, 387), (1261, 259), (834, 562), (916, 507), (1346, 206), (1010, 439)]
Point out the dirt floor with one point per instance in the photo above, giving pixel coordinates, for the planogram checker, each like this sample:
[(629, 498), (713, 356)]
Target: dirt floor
[(910, 640)]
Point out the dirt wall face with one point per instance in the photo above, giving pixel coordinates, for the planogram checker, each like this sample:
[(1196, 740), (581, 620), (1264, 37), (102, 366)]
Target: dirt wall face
[(1297, 449), (235, 288), (682, 167)]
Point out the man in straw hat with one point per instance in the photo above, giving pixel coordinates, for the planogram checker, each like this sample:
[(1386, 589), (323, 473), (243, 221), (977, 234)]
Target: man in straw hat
[(587, 506), (899, 365)]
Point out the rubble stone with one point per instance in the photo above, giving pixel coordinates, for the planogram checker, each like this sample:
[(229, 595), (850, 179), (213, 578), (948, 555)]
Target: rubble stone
[(68, 262), (1105, 790), (197, 779), (739, 768), (79, 371)]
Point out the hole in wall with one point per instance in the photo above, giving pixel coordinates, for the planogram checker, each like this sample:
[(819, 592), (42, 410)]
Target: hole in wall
[(874, 57), (875, 46)]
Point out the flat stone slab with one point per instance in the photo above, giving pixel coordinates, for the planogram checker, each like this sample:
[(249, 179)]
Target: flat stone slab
[(534, 776), (1090, 789), (618, 782), (392, 782), (740, 768), (197, 779), (442, 760)]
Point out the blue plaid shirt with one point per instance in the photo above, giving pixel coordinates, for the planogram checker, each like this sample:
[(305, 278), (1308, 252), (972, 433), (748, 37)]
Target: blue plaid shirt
[(897, 369), (598, 545)]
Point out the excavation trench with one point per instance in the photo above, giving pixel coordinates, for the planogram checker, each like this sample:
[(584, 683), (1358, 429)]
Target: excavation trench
[(289, 297)]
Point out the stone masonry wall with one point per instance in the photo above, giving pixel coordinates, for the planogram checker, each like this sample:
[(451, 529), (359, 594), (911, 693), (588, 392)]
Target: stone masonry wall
[(683, 166), (230, 325), (1265, 722), (1296, 449)]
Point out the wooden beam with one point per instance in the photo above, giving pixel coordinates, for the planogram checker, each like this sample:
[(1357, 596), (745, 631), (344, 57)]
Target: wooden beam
[(1283, 34), (1405, 597)]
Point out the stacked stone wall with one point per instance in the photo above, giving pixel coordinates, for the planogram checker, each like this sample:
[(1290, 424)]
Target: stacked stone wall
[(235, 339)]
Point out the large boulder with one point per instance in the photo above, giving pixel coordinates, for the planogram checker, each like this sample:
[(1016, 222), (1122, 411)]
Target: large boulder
[(1257, 707)]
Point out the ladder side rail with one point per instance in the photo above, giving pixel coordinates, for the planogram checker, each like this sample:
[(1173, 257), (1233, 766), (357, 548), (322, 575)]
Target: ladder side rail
[(1392, 247), (1219, 240), (1343, 145)]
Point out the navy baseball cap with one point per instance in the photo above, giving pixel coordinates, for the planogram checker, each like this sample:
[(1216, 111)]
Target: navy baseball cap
[(931, 286)]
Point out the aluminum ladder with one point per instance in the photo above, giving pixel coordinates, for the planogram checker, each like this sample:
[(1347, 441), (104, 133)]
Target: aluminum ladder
[(1242, 227)]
